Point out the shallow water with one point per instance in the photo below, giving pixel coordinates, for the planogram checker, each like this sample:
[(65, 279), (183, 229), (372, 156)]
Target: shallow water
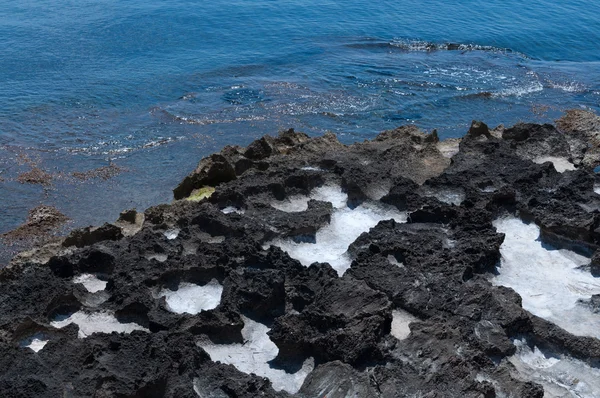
[(154, 86)]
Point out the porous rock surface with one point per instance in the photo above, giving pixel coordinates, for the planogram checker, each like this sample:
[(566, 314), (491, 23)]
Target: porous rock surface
[(436, 267)]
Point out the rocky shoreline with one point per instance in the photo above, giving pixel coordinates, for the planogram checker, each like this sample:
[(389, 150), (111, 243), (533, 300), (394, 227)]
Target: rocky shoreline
[(303, 267)]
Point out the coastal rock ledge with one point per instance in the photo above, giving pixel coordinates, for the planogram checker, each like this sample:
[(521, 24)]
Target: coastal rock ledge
[(298, 266)]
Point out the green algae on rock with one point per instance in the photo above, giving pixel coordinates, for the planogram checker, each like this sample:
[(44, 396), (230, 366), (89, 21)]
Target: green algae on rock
[(201, 193)]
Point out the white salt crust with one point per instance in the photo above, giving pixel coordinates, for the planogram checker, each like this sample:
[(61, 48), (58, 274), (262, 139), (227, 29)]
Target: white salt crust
[(549, 281), (346, 225), (560, 164), (191, 299), (35, 342), (97, 322), (91, 282), (161, 258), (446, 195), (172, 233), (400, 324), (560, 376), (392, 260), (231, 209), (254, 355)]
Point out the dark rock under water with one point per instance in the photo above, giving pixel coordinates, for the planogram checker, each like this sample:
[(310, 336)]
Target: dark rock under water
[(428, 258)]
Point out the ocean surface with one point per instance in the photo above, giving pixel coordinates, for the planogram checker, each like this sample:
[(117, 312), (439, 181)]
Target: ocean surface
[(152, 86)]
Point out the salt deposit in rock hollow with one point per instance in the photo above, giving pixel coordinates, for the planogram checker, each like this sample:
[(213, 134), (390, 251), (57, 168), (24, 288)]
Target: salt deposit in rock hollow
[(560, 164), (91, 282), (96, 322), (550, 281), (172, 233), (332, 241), (35, 342), (191, 298), (400, 324), (254, 355), (449, 196), (231, 209)]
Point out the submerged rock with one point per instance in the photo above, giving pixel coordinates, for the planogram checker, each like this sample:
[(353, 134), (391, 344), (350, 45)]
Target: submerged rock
[(402, 266)]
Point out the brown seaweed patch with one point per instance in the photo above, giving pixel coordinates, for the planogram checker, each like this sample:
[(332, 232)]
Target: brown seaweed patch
[(35, 176), (104, 173), (41, 221)]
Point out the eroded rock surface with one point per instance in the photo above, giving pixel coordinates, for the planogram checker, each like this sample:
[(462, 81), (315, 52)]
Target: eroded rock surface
[(198, 292)]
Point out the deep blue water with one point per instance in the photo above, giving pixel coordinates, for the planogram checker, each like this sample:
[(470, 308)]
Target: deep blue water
[(154, 86)]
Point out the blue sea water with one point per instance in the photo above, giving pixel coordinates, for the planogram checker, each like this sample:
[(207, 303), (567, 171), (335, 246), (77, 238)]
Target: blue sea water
[(153, 86)]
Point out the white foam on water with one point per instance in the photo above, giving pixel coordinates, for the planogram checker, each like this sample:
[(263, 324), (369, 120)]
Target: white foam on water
[(446, 195), (332, 241), (332, 194), (254, 355), (400, 324), (191, 299), (91, 282), (326, 193), (560, 376), (171, 234), (231, 209), (560, 164), (97, 322), (549, 281)]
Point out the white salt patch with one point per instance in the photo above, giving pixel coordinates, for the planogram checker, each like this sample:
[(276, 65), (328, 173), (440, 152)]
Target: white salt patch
[(36, 345), (293, 204), (91, 282), (332, 241), (548, 281), (98, 322), (560, 376), (158, 257), (395, 262), (560, 164), (326, 193), (216, 239), (172, 233), (254, 355), (446, 195), (192, 299), (400, 322), (36, 342), (231, 209), (488, 189), (311, 168)]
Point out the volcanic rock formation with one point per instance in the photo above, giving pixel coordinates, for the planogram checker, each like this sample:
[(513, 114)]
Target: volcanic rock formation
[(308, 268)]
